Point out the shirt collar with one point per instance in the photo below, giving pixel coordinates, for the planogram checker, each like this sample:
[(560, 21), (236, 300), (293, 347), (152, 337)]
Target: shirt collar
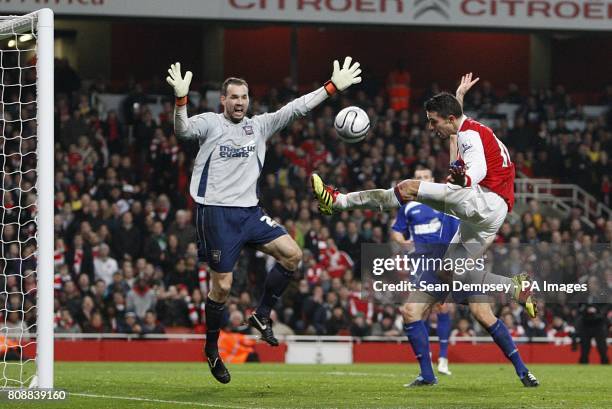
[(230, 122), (461, 121)]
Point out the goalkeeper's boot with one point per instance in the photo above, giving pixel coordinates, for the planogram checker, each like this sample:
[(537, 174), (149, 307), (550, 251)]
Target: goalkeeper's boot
[(524, 297), (217, 368), (264, 326), (326, 195), (530, 381), (420, 381)]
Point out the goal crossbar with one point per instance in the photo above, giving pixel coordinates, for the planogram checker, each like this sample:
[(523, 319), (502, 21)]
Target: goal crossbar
[(11, 25)]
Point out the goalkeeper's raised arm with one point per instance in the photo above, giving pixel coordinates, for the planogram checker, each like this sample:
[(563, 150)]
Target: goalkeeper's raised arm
[(235, 105), (341, 79)]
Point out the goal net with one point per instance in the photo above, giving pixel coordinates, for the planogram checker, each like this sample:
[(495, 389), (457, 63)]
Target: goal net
[(26, 210)]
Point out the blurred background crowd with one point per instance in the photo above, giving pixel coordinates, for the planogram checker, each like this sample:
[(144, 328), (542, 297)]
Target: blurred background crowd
[(125, 248)]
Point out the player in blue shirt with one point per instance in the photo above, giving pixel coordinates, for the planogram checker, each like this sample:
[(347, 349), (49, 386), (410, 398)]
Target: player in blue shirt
[(430, 231)]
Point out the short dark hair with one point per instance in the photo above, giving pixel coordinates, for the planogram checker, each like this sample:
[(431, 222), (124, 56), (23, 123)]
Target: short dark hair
[(232, 81), (444, 104)]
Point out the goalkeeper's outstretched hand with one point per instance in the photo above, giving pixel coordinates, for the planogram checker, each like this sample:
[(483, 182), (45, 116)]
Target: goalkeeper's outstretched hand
[(177, 81), (344, 77)]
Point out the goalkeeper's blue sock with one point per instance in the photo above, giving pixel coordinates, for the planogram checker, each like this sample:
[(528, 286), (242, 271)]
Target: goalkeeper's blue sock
[(276, 282), (502, 338), (419, 340), (214, 312), (444, 330)]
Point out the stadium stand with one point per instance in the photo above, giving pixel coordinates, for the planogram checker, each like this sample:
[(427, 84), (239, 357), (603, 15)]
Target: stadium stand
[(126, 258)]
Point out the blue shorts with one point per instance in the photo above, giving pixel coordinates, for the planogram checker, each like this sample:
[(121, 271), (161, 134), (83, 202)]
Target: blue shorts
[(223, 231)]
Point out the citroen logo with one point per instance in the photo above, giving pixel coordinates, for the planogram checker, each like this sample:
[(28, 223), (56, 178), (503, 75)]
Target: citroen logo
[(436, 6)]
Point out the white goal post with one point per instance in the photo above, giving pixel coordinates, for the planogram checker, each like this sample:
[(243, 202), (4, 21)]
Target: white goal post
[(27, 64)]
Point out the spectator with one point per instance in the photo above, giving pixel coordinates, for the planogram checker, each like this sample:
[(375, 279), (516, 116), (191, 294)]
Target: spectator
[(130, 325), (140, 298), (514, 329), (96, 324), (386, 327), (463, 329), (150, 324), (85, 314), (66, 324), (173, 308), (280, 329), (359, 326), (104, 265), (15, 327), (338, 324), (127, 238), (314, 312), (559, 329), (183, 229), (181, 276), (237, 324), (156, 245), (79, 258)]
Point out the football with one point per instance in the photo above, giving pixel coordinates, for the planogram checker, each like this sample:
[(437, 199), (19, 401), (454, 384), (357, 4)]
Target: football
[(352, 124)]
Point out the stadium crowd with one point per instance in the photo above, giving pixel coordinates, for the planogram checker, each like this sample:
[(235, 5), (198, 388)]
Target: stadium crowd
[(125, 248)]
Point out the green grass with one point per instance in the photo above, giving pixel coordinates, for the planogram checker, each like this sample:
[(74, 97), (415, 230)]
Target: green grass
[(325, 386)]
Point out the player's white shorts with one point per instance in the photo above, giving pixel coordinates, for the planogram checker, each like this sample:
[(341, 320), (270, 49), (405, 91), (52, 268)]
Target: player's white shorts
[(482, 212)]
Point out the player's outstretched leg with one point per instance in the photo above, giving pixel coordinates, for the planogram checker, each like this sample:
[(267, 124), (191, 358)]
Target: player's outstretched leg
[(331, 200), (276, 282), (214, 312), (482, 312), (443, 330)]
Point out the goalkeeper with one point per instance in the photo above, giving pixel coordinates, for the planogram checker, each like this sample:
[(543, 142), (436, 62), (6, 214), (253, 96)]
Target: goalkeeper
[(224, 186)]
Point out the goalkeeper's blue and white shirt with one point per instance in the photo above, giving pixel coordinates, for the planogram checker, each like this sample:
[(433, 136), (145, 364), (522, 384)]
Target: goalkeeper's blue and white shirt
[(231, 155)]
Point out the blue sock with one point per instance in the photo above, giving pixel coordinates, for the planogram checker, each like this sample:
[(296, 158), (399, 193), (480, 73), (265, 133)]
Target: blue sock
[(444, 330), (276, 282), (419, 340), (502, 338)]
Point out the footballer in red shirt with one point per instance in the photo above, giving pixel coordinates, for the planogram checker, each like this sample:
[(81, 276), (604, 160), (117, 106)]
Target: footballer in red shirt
[(480, 192)]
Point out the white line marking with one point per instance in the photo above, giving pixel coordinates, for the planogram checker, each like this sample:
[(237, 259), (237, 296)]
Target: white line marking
[(332, 373), (177, 402)]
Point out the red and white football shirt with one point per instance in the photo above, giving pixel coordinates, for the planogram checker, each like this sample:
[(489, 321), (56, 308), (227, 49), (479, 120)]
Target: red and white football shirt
[(486, 158)]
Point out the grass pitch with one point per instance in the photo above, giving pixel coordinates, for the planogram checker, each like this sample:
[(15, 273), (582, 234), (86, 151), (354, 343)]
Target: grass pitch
[(178, 385)]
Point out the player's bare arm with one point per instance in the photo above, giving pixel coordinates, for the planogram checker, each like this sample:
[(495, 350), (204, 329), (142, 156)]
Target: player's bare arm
[(465, 84)]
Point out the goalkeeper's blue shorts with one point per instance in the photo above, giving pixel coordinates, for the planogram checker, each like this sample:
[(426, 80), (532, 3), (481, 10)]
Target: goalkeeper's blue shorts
[(223, 231)]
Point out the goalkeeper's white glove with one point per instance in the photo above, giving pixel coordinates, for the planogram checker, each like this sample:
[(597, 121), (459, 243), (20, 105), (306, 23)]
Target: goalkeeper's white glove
[(344, 77), (178, 82)]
